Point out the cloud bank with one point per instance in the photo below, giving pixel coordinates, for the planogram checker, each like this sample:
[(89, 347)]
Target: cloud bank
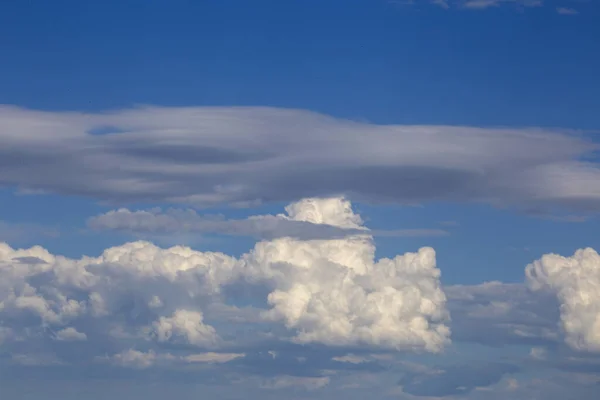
[(242, 155), (139, 304), (575, 281)]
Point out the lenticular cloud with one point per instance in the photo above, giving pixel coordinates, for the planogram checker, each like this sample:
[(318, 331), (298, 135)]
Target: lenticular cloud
[(331, 292), (576, 282)]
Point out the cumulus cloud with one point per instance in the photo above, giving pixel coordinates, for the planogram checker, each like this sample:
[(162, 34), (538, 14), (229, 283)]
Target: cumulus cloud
[(212, 357), (575, 281), (70, 334), (134, 359), (188, 325), (242, 155), (140, 302)]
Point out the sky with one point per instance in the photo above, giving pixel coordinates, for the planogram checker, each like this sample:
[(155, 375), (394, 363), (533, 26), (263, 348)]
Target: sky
[(299, 199)]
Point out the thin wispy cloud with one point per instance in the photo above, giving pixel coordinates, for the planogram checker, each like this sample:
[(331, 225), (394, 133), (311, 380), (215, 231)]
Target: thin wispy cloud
[(566, 11), (181, 221)]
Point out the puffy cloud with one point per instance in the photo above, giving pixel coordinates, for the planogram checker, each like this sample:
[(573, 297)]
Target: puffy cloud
[(211, 155), (186, 324), (333, 293), (134, 359), (70, 334), (575, 281), (139, 296)]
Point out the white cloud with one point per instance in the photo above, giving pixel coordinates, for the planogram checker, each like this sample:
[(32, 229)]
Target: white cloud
[(70, 334), (285, 382), (496, 313), (566, 11), (482, 4), (210, 155), (575, 281), (538, 353), (139, 296), (134, 359), (212, 357), (186, 324)]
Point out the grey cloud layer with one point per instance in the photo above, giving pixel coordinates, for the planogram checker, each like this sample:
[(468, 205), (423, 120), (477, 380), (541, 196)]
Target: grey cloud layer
[(156, 221), (330, 292), (207, 156)]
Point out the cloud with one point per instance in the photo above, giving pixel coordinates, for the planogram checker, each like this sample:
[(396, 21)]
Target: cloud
[(575, 281), (498, 314), (242, 155), (134, 359), (212, 357), (139, 305), (188, 325), (482, 4), (455, 379), (285, 382), (142, 223), (70, 334), (566, 11)]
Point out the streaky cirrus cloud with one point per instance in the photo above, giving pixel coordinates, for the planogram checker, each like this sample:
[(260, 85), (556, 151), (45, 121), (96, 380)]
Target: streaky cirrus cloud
[(242, 155), (490, 4), (575, 281), (141, 302), (567, 11), (20, 232), (483, 4)]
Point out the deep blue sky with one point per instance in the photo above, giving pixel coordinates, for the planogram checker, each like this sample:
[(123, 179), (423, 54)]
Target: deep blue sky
[(369, 60)]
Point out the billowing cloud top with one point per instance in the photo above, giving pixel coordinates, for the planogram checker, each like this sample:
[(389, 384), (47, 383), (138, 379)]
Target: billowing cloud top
[(331, 292), (576, 282), (209, 155)]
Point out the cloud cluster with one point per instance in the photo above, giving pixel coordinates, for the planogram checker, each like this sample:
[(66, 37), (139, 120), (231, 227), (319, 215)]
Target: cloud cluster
[(137, 295), (575, 281), (242, 155)]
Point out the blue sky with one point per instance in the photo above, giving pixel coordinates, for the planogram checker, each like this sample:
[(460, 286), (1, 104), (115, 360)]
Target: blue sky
[(465, 126)]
